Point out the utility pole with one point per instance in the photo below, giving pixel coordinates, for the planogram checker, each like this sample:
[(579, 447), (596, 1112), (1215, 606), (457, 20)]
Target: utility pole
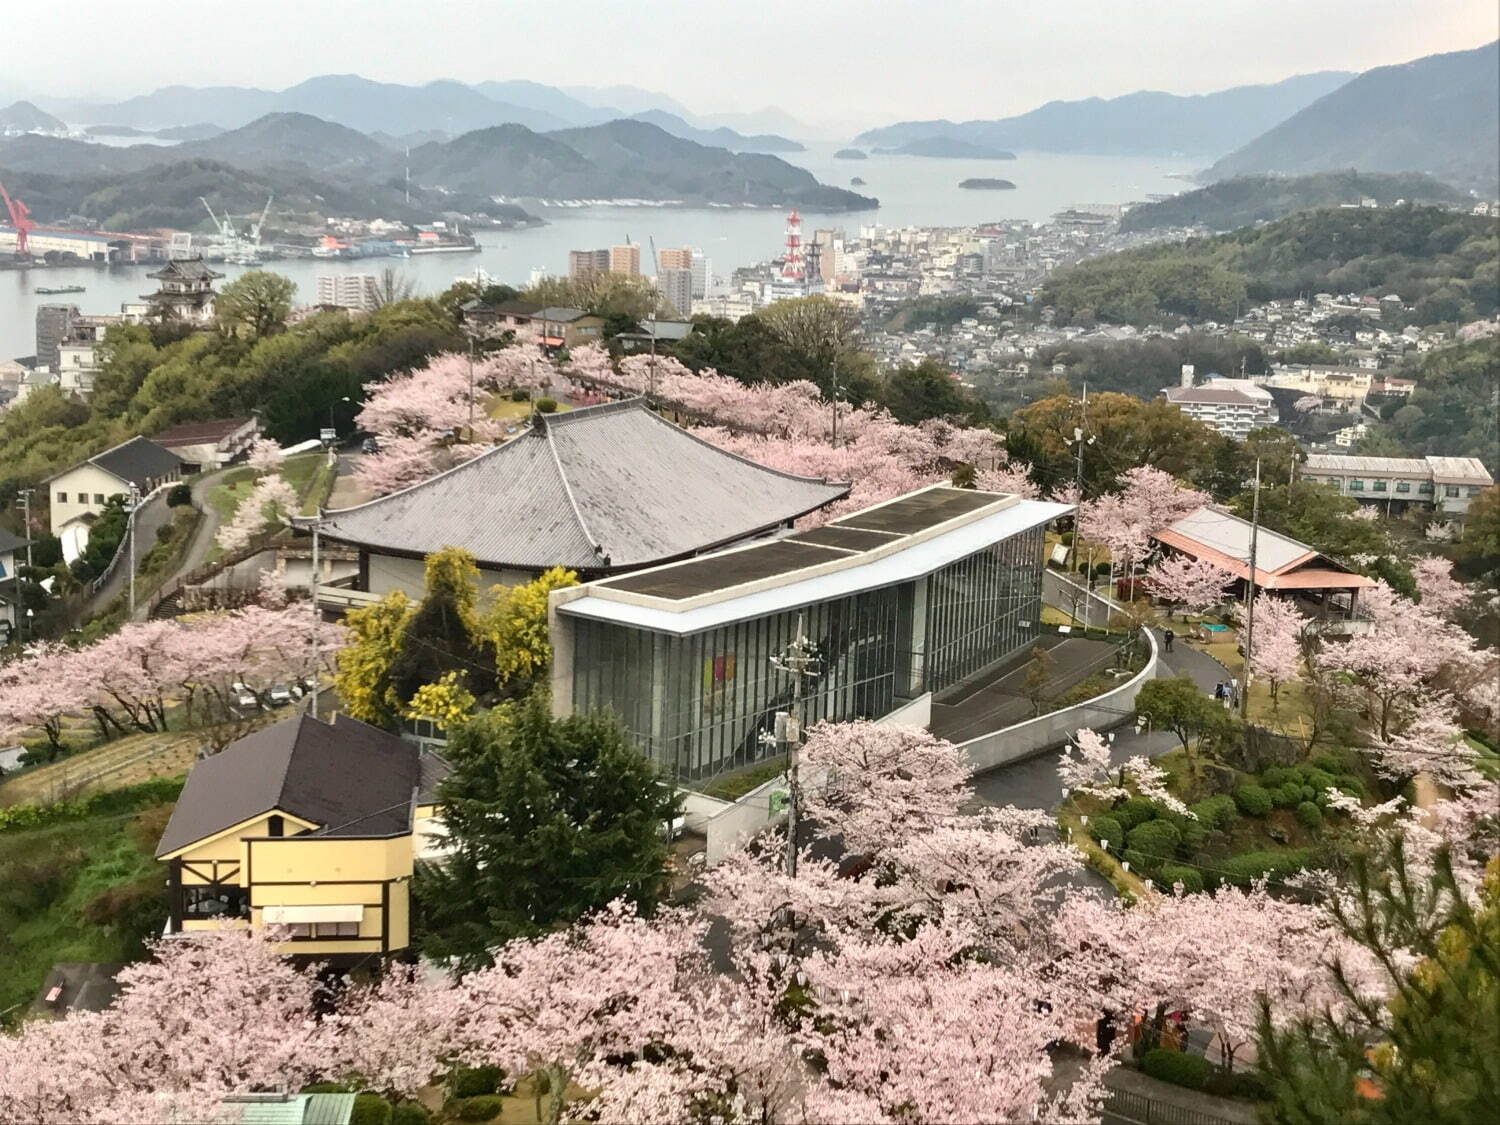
[(470, 335), (1250, 600), (135, 504), (799, 659), (833, 433), (317, 620), (1080, 440), (24, 502)]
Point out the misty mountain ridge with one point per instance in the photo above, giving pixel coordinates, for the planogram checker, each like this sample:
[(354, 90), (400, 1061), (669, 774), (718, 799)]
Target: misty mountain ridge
[(619, 159), (398, 110), (1439, 114), (1144, 123), (23, 117)]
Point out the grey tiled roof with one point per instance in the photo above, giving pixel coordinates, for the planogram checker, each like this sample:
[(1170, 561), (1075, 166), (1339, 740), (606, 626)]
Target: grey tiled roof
[(9, 541), (136, 461), (348, 778), (602, 488)]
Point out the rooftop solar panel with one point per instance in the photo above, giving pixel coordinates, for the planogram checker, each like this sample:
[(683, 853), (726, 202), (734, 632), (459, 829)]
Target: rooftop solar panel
[(919, 511), (719, 572)]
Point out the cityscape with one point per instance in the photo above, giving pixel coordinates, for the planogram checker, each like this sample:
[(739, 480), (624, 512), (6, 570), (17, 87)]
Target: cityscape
[(540, 588)]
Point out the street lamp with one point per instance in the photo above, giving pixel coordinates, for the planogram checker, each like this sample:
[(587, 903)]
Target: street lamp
[(331, 405)]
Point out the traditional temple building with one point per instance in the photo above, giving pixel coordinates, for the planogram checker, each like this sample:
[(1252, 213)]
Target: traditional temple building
[(186, 291), (601, 490)]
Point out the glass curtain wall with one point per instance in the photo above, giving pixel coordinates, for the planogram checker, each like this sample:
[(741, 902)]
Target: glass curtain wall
[(700, 705), (983, 608)]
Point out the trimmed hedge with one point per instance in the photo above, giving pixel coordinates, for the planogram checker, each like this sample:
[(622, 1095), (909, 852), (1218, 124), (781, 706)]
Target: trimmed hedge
[(1176, 1067), (472, 1081), (1244, 869), (1252, 800), (1309, 815), (1133, 811), (1216, 813), (1350, 784), (370, 1109), (1173, 873), (1108, 828), (326, 1088), (1154, 843), (546, 405), (410, 1113), (482, 1108), (1288, 796), (113, 802)]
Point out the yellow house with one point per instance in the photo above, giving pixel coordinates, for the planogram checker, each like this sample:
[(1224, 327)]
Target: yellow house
[(310, 825)]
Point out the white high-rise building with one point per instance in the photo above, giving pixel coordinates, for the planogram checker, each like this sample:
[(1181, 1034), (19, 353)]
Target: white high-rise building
[(359, 292), (702, 273), (676, 285)]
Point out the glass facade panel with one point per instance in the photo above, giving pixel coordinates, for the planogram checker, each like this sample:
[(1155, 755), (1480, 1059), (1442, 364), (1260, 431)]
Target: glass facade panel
[(703, 704)]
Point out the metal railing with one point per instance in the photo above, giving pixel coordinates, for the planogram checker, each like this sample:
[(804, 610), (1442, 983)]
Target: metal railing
[(1138, 1109)]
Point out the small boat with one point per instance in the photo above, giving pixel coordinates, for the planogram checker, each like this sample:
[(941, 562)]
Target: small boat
[(53, 290)]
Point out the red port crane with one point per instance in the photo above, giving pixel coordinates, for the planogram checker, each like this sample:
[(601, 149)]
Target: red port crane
[(20, 219)]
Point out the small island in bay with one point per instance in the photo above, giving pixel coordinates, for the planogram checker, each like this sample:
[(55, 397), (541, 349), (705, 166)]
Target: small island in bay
[(856, 182), (950, 148), (851, 154), (982, 184)]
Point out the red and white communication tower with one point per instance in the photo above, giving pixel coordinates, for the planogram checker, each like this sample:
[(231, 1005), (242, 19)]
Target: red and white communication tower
[(791, 262)]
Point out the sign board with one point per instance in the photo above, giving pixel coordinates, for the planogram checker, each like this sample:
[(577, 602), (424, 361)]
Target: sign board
[(328, 435), (1060, 554), (780, 799)]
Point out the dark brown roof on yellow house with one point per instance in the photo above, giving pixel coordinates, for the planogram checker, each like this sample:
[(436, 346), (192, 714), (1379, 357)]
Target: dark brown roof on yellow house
[(346, 777)]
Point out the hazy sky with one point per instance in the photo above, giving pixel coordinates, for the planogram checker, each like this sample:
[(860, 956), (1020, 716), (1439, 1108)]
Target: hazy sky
[(836, 61)]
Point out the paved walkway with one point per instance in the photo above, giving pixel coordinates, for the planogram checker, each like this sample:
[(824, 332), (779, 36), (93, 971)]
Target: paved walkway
[(152, 514), (999, 700), (1033, 784)]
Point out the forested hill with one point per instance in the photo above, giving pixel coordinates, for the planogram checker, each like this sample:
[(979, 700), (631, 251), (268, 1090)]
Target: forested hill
[(1439, 114), (1443, 261), (1231, 204)]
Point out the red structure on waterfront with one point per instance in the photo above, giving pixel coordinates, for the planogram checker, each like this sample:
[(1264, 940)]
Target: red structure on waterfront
[(792, 268)]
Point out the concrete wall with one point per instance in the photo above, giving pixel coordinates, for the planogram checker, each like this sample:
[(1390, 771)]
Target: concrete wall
[(917, 713), (732, 826)]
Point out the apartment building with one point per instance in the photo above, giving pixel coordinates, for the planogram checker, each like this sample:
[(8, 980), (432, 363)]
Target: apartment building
[(676, 285), (1444, 484), (626, 259), (676, 258), (1233, 407), (358, 292), (582, 263)]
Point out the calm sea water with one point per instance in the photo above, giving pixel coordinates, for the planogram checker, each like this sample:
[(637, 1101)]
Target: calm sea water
[(912, 191)]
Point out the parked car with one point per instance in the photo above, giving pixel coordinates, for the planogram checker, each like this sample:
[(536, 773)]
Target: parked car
[(369, 445), (244, 698), (280, 695)]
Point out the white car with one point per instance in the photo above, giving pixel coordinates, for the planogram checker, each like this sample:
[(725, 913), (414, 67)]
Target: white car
[(280, 695), (244, 698)]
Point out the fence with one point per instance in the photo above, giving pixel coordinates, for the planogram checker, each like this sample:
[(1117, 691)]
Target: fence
[(1131, 1108)]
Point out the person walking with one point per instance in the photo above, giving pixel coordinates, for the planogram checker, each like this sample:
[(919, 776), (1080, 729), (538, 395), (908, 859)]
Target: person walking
[(1219, 691), (1169, 637)]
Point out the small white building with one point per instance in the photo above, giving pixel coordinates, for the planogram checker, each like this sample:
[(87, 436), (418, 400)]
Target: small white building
[(1445, 484), (78, 495), (204, 446)]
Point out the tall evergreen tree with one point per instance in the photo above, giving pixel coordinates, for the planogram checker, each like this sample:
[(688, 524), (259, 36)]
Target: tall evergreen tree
[(549, 819)]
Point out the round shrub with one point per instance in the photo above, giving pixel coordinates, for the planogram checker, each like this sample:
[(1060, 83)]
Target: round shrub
[(1151, 844), (520, 394), (1330, 762), (482, 1108), (1133, 811), (471, 1081), (1309, 815), (1107, 828), (1318, 779), (1242, 870), (1252, 800), (1173, 873), (1216, 813), (1274, 777), (370, 1109), (178, 495), (1176, 1067), (410, 1113), (1288, 796), (547, 405)]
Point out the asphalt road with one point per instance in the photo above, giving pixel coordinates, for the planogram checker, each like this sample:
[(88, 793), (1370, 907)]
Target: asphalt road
[(151, 515)]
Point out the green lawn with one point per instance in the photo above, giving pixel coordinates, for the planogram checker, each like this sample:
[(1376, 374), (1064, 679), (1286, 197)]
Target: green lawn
[(733, 786), (1488, 762), (87, 890)]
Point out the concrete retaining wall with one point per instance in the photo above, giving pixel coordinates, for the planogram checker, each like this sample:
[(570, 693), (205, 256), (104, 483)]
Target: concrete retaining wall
[(732, 826)]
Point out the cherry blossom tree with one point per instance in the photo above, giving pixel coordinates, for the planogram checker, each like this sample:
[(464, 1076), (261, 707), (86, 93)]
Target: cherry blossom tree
[(1148, 500), (265, 455), (1085, 768), (271, 501), (1196, 585), (1438, 591), (1276, 649)]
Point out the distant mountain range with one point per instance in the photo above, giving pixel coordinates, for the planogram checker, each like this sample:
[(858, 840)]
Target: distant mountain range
[(447, 107), (1439, 114), (333, 169), (24, 117), (1144, 123)]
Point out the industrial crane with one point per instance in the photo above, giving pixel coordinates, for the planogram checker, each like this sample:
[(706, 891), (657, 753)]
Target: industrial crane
[(20, 219), (255, 230), (224, 226)]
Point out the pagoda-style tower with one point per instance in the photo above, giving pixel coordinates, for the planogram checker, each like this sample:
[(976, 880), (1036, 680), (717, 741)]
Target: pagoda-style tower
[(186, 291)]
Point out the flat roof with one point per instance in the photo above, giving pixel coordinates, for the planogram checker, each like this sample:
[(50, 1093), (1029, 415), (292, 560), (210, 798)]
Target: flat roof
[(754, 581)]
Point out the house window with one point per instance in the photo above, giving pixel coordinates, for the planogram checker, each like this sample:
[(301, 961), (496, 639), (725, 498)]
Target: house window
[(62, 497), (1403, 486), (307, 931), (1451, 491), (1425, 488), (99, 498), (275, 826), (1473, 490), (1379, 485), (213, 901), (1356, 486)]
